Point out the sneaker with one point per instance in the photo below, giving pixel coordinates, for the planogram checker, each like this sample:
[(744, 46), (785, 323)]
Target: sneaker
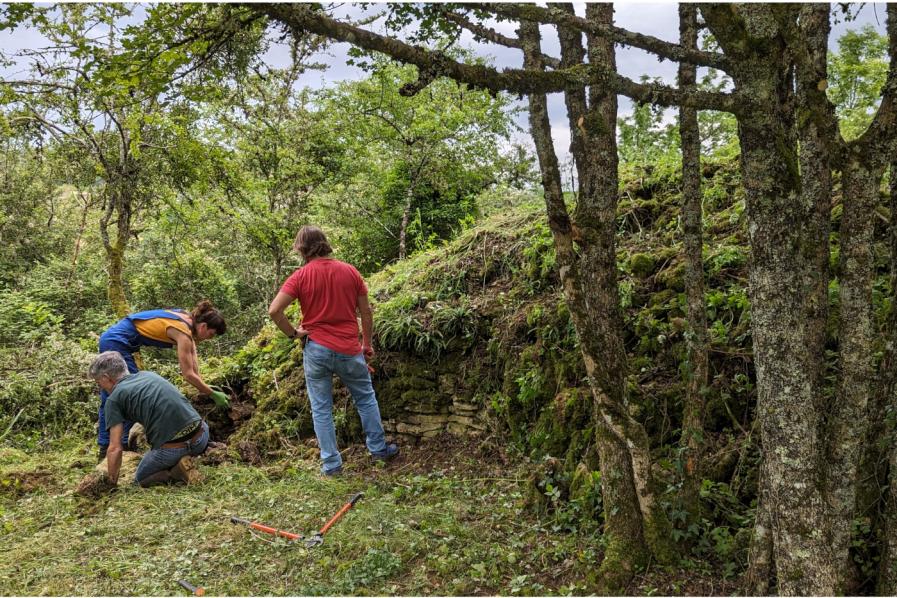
[(387, 454), (333, 473), (185, 471)]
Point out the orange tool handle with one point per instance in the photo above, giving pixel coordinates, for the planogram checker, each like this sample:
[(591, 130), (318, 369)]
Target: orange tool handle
[(340, 513), (196, 591), (267, 529)]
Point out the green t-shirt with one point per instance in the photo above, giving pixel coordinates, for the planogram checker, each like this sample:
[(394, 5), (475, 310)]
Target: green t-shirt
[(153, 401)]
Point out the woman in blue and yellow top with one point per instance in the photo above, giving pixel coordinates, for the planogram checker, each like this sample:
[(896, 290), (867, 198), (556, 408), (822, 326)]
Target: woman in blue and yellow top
[(163, 328)]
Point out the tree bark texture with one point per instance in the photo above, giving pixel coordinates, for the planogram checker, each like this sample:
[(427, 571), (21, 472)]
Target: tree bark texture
[(761, 571), (696, 365), (881, 447), (848, 414), (588, 277), (779, 291), (817, 132), (118, 204), (406, 213)]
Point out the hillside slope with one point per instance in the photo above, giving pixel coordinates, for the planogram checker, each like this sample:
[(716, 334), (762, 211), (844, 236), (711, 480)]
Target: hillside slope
[(475, 338)]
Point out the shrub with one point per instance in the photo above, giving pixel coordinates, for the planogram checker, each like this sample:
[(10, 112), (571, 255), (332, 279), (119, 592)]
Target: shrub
[(45, 387)]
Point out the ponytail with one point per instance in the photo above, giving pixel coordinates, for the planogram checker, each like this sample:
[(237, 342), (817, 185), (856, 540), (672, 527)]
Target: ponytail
[(205, 313)]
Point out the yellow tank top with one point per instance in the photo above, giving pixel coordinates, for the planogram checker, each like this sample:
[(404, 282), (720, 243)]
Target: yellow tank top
[(157, 328)]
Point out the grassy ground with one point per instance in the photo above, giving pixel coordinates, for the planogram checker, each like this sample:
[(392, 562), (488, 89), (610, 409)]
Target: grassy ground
[(446, 519)]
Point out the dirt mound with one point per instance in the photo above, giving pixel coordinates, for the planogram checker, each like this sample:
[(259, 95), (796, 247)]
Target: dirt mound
[(25, 482), (96, 483)]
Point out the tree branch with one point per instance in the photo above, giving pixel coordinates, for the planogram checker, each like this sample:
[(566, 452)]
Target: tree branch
[(655, 45), (494, 36), (877, 144), (558, 217), (523, 81)]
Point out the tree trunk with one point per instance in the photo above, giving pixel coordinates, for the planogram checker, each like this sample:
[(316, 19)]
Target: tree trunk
[(406, 212), (85, 199), (786, 403), (632, 517), (696, 364), (848, 414), (761, 571), (817, 131), (118, 202), (601, 319), (781, 284), (881, 448)]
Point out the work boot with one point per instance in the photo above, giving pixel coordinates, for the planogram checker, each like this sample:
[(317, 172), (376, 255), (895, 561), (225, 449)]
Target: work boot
[(333, 473), (386, 454), (185, 471)]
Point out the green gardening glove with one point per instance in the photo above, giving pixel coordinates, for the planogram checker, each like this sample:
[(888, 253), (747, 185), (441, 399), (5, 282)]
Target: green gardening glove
[(220, 399)]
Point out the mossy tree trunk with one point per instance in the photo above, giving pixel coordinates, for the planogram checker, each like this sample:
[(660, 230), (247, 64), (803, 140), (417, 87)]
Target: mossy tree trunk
[(635, 526), (875, 150), (817, 132), (847, 415), (873, 494), (118, 204), (792, 502), (881, 451), (810, 449), (696, 365), (885, 447)]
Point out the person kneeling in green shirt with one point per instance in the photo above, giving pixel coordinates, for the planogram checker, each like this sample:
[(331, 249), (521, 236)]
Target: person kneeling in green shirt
[(173, 427)]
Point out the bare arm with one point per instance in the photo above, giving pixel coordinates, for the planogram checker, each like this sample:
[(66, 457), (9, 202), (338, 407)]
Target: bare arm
[(113, 453), (276, 309), (187, 360), (367, 325)]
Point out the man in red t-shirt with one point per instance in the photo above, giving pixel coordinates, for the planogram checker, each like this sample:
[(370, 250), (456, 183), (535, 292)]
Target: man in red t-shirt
[(329, 293)]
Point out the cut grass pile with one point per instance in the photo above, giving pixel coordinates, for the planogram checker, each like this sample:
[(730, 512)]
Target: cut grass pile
[(446, 519), (448, 529)]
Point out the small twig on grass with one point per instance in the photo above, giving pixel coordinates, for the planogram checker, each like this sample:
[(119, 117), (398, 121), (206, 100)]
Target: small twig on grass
[(11, 424)]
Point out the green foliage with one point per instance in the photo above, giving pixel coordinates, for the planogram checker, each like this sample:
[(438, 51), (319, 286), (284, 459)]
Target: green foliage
[(857, 73), (44, 390), (24, 320), (643, 137), (717, 540), (27, 207), (421, 159), (181, 280)]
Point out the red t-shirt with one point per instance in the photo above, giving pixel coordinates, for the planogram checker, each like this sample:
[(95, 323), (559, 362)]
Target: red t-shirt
[(328, 290)]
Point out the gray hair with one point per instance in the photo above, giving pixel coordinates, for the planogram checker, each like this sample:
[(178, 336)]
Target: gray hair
[(109, 363)]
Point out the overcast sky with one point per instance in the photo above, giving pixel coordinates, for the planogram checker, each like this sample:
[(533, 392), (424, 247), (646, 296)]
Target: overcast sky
[(657, 19), (651, 18)]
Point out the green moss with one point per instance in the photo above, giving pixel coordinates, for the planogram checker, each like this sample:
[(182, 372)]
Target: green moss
[(641, 264)]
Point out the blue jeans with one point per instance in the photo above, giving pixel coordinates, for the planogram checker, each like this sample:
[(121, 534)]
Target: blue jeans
[(155, 460), (320, 365), (124, 351)]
